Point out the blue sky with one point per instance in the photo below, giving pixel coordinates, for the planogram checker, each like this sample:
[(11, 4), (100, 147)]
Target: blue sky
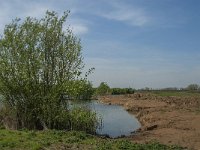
[(131, 43)]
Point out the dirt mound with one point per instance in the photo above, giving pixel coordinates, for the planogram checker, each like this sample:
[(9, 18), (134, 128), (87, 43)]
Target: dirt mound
[(169, 120)]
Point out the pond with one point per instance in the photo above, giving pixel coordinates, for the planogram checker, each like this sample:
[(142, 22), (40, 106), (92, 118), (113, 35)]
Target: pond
[(116, 121)]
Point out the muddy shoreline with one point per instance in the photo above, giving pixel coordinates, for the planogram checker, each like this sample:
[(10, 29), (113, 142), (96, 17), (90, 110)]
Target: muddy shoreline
[(169, 120)]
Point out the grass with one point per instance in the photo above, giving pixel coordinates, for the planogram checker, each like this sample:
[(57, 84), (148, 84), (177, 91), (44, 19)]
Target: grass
[(176, 93), (53, 139)]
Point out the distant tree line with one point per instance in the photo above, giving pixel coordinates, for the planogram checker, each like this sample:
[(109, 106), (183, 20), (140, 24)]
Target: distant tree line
[(193, 87), (190, 87), (104, 89), (119, 91)]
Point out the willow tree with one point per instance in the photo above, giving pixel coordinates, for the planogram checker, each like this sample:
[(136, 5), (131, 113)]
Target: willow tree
[(39, 62)]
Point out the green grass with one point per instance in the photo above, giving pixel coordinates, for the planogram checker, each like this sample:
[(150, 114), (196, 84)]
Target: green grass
[(176, 93), (52, 139)]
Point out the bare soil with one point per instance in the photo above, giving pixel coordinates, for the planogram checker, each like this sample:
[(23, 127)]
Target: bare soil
[(169, 120)]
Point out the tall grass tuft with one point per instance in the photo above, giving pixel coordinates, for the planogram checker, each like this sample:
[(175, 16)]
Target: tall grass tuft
[(83, 119)]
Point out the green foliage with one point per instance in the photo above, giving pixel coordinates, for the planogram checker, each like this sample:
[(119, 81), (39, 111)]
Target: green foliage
[(40, 63), (176, 93), (84, 120), (103, 89), (80, 90), (119, 91), (52, 139)]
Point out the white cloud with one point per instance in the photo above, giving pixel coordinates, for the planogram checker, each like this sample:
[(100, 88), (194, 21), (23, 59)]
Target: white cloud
[(35, 11), (11, 9), (77, 25), (132, 15), (79, 29), (21, 9)]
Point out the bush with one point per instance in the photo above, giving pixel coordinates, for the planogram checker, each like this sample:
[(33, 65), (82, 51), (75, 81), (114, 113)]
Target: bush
[(40, 63), (83, 119)]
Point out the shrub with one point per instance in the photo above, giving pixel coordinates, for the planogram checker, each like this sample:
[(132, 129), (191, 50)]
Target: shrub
[(84, 120), (40, 63)]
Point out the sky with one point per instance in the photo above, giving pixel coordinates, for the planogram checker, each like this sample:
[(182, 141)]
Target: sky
[(130, 43)]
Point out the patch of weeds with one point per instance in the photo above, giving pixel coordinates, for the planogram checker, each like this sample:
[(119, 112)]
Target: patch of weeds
[(7, 144), (37, 140), (37, 147), (124, 144), (31, 135), (105, 145), (34, 146)]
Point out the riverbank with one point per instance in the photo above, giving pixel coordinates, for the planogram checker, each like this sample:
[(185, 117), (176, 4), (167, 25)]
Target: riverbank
[(167, 119)]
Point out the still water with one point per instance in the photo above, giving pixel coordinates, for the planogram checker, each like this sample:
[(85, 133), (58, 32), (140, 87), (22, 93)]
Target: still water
[(116, 120)]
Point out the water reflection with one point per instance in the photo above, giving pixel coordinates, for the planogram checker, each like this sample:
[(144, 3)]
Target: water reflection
[(115, 120)]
